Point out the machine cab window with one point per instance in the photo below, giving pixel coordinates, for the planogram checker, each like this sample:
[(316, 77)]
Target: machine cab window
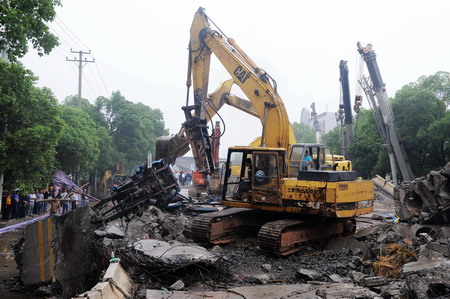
[(266, 170)]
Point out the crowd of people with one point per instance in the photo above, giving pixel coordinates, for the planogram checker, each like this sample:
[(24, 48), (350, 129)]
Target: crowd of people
[(16, 204), (184, 177)]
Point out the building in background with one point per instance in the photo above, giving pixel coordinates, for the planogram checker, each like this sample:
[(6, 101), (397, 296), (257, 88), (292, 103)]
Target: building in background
[(327, 120)]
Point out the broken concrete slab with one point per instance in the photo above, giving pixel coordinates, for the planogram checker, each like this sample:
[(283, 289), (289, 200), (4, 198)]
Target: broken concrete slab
[(375, 281), (440, 246), (308, 274), (360, 235), (115, 284), (384, 185), (264, 278), (357, 276), (339, 279), (113, 232), (328, 290), (180, 254), (350, 243), (404, 230), (266, 267), (426, 254), (177, 285), (425, 276), (396, 289)]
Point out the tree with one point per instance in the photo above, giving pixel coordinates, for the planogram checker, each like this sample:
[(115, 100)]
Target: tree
[(415, 109), (29, 128), (93, 110), (422, 125), (366, 148), (438, 133), (304, 133), (23, 21), (438, 84), (133, 127), (331, 139), (78, 148)]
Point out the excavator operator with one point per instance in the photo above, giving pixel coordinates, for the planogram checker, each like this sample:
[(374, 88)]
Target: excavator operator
[(246, 183), (307, 162)]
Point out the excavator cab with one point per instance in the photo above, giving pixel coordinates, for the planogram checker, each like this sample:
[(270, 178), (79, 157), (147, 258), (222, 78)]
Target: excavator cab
[(253, 174), (297, 160)]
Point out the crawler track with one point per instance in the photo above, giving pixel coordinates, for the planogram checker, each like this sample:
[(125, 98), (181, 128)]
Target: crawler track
[(287, 236), (224, 226), (279, 236)]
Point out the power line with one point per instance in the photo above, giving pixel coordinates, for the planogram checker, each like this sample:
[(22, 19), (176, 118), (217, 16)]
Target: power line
[(61, 23), (84, 45), (62, 38), (76, 43), (59, 52), (95, 79), (101, 77)]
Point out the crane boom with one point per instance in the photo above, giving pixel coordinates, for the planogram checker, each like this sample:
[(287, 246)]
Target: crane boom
[(376, 92), (348, 120)]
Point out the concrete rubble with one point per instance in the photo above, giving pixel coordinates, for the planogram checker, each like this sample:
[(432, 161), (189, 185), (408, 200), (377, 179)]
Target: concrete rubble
[(430, 278), (158, 254), (316, 290), (115, 284), (175, 254), (426, 199)]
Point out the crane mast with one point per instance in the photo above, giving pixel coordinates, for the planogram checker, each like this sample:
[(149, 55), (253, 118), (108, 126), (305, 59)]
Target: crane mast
[(348, 120), (375, 90)]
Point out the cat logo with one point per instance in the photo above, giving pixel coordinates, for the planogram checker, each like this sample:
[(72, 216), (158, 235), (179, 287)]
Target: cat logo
[(241, 74)]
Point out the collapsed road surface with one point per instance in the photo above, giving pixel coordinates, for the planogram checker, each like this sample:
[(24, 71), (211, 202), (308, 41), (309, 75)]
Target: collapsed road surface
[(64, 256), (158, 253)]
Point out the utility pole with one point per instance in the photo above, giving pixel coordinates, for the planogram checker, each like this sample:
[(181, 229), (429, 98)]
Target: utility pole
[(81, 64)]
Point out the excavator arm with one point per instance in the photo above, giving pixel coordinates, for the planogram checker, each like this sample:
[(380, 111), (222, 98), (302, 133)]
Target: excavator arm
[(263, 100), (256, 84)]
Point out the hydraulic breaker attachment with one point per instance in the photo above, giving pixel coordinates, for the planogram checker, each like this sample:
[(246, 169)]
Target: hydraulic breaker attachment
[(169, 148)]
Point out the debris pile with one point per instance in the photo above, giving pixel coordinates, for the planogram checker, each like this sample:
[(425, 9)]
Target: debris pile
[(159, 225), (426, 199), (158, 253)]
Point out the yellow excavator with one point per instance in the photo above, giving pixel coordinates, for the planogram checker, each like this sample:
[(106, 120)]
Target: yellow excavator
[(281, 193)]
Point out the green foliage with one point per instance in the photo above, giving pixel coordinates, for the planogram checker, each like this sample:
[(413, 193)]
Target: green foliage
[(304, 133), (331, 139), (366, 146), (29, 128), (22, 21), (133, 127), (438, 84), (422, 125), (415, 110), (438, 134), (78, 147)]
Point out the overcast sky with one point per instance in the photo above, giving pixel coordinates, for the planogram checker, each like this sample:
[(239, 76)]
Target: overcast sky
[(140, 48)]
